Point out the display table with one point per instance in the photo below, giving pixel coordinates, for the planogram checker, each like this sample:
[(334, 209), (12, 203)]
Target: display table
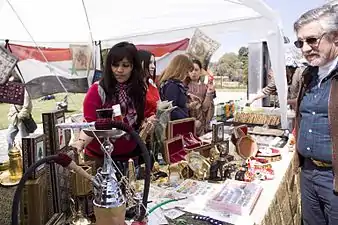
[(279, 203)]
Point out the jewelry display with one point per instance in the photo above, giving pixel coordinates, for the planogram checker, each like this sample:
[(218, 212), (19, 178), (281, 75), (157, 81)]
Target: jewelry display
[(236, 197)]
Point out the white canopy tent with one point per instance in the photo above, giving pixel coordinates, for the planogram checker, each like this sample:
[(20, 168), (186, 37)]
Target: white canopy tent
[(52, 23)]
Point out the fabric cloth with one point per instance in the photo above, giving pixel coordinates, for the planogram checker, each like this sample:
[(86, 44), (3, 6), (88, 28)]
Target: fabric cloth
[(175, 91), (152, 97), (204, 109), (18, 112), (314, 139), (93, 102), (307, 76), (127, 106), (319, 203)]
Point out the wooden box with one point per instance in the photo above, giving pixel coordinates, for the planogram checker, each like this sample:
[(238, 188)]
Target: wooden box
[(186, 128), (59, 178), (34, 202), (174, 150), (33, 149)]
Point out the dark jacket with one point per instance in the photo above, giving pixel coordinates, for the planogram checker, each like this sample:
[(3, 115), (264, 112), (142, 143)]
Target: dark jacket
[(307, 75), (175, 91)]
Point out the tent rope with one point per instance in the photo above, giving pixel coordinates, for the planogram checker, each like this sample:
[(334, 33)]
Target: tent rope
[(65, 89)]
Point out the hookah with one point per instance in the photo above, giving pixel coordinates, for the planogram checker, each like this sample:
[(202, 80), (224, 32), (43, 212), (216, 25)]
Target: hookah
[(109, 200)]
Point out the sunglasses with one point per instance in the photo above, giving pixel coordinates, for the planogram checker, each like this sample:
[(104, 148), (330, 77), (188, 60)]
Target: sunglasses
[(311, 41)]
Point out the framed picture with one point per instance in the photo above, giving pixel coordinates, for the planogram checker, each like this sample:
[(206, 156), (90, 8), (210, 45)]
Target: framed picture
[(7, 64), (33, 149), (218, 132), (82, 57), (59, 177), (202, 47)]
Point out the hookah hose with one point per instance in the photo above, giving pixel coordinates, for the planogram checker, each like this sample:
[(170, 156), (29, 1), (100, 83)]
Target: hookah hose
[(104, 124), (65, 161), (61, 159)]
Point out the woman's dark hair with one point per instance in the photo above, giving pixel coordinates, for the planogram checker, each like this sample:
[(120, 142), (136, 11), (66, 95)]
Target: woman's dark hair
[(137, 90), (145, 57), (196, 61)]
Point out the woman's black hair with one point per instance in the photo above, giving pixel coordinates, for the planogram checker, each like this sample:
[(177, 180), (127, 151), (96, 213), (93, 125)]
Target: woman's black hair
[(137, 90), (196, 61), (145, 57)]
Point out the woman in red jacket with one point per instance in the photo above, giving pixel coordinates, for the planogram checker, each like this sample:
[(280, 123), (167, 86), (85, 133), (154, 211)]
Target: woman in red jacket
[(122, 83), (152, 97)]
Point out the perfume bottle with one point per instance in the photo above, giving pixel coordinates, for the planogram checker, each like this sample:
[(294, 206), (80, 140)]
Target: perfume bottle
[(15, 164)]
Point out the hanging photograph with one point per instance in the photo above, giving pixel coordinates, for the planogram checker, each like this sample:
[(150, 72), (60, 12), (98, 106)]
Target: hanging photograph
[(82, 57), (7, 64), (202, 47)]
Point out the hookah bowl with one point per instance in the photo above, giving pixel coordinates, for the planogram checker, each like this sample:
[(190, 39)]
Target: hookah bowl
[(109, 201)]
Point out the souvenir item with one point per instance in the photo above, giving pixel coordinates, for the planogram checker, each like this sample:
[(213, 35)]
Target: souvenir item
[(56, 141), (82, 57), (199, 165), (109, 202), (14, 174), (202, 47), (33, 204), (78, 217), (186, 128), (79, 185), (33, 149), (246, 146), (174, 150), (217, 132), (7, 64), (12, 93), (257, 118), (236, 197)]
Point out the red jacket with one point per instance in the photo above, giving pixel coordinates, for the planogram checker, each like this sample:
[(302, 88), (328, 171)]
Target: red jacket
[(152, 97), (91, 103)]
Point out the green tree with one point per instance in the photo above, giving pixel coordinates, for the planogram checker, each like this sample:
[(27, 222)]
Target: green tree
[(243, 56), (229, 65)]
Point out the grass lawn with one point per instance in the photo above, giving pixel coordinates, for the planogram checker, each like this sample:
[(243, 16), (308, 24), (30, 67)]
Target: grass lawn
[(74, 106), (39, 107)]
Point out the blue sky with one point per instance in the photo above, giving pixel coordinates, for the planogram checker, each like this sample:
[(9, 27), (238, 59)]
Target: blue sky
[(289, 11)]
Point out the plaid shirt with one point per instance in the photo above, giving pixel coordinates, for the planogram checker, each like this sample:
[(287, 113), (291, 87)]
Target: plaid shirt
[(314, 139)]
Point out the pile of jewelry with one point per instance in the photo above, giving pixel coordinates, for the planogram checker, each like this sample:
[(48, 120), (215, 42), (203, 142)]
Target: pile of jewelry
[(210, 220)]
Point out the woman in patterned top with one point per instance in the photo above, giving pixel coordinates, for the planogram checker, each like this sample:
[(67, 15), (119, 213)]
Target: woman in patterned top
[(201, 103)]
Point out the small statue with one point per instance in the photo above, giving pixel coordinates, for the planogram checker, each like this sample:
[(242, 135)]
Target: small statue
[(214, 168)]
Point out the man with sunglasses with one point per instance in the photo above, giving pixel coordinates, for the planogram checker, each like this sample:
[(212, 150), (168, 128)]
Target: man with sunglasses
[(317, 116)]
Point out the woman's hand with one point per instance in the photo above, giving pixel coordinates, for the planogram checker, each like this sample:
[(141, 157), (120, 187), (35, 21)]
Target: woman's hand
[(78, 146), (211, 88)]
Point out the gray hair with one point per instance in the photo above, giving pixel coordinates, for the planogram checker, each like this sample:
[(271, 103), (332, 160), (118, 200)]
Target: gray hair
[(326, 15)]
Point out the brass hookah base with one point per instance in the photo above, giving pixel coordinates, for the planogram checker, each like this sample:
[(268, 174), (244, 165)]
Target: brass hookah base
[(12, 176)]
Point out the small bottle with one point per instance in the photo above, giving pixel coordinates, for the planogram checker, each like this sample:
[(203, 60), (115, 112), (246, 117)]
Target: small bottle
[(160, 159), (117, 113)]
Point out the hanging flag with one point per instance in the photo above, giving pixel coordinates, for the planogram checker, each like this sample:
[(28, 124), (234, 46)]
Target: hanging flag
[(63, 66)]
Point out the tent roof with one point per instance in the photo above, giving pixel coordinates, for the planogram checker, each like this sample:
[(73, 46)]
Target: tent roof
[(62, 22)]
